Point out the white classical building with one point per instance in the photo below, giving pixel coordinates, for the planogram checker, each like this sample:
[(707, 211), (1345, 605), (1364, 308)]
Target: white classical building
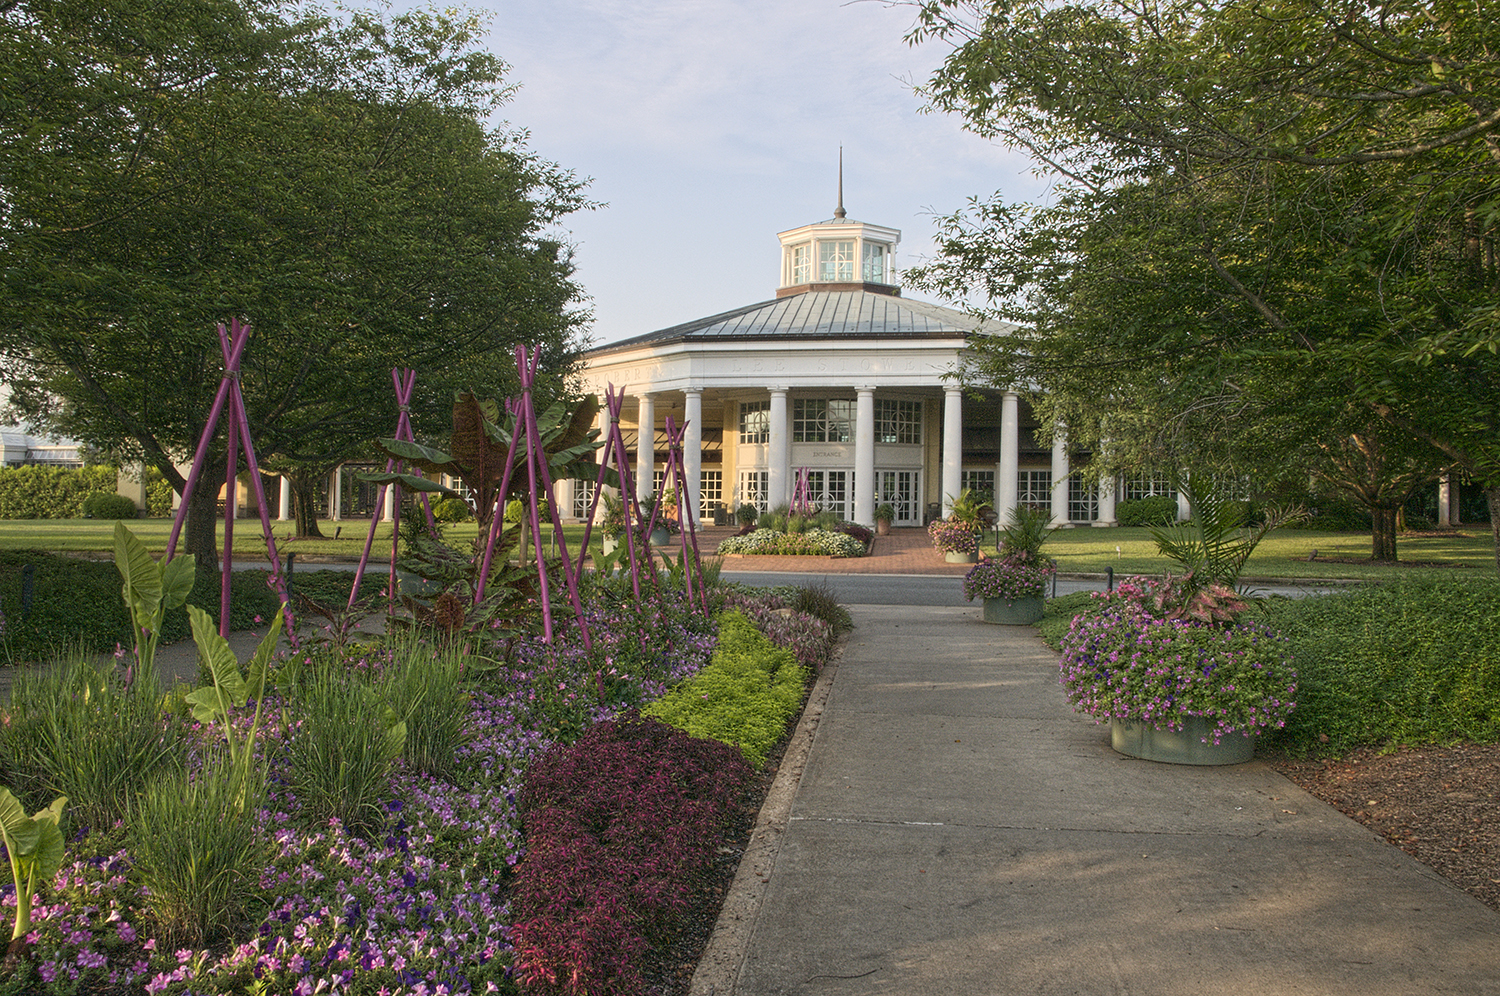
[(838, 378)]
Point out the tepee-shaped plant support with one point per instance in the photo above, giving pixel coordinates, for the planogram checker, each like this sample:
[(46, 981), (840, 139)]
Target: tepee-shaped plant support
[(232, 342), (405, 382)]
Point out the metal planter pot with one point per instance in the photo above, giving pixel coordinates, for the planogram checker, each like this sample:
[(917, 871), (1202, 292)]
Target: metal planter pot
[(1179, 747), (1021, 612)]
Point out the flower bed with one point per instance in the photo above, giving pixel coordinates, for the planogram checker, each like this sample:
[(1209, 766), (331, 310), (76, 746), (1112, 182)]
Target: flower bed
[(420, 904), (812, 543)]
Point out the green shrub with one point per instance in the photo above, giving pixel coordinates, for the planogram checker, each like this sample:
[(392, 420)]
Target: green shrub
[(76, 603), (746, 695), (1405, 662), (340, 753), (159, 495), (812, 543), (75, 730), (38, 492), (454, 510), (107, 506), (195, 847), (1157, 510)]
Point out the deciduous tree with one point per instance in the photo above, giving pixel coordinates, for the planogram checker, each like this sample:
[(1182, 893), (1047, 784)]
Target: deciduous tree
[(336, 182)]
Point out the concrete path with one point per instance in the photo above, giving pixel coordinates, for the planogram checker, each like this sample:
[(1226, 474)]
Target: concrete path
[(949, 826)]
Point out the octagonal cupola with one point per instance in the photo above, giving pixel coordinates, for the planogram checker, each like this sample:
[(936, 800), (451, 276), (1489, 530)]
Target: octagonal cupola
[(839, 254)]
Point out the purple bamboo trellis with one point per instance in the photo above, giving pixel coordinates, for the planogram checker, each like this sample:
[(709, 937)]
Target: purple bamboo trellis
[(614, 449), (801, 498), (232, 343), (539, 482), (405, 382), (697, 590)]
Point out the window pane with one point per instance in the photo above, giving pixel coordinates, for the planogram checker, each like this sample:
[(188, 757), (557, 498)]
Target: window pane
[(801, 265), (874, 263), (755, 421), (836, 262), (1083, 500), (1034, 487)]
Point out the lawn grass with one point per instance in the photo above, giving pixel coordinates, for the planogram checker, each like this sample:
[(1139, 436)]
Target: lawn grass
[(1129, 550), (343, 540), (1282, 554)]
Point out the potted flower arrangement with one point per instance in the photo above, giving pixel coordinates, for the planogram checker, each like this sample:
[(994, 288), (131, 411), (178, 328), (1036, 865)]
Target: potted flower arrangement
[(1013, 584), (957, 536), (885, 514), (1012, 589), (666, 525), (957, 542), (1175, 672), (612, 522)]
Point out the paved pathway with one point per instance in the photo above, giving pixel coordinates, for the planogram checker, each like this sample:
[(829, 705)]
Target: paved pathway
[(954, 828)]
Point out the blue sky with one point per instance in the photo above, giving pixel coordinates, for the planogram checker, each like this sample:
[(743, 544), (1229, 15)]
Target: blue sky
[(707, 126)]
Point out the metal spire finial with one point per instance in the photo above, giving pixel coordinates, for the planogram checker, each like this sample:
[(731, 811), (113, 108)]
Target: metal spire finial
[(839, 211)]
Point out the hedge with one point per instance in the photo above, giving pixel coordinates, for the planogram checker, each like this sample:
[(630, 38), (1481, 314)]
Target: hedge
[(41, 492), (70, 602), (1158, 510), (1413, 661)]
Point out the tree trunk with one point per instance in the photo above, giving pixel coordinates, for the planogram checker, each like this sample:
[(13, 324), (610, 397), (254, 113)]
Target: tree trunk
[(202, 524), (1492, 497), (305, 481), (1383, 535)]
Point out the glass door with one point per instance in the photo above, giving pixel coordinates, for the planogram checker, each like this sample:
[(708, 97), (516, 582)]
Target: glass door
[(900, 488)]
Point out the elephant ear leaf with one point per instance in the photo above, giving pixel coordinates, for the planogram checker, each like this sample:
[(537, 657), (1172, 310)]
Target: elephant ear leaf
[(582, 424), (255, 680), (219, 658), (49, 847), (177, 581), (411, 483), (142, 577), (21, 831), (431, 460)]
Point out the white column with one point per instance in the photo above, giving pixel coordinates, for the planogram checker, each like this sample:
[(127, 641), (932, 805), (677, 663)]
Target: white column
[(390, 503), (1444, 499), (1106, 503), (1060, 471), (864, 456), (284, 509), (645, 447), (779, 476), (1184, 507), (562, 498), (953, 445), (692, 453), (1010, 456), (336, 500)]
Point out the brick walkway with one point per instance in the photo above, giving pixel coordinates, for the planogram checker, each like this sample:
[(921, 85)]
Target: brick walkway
[(902, 551)]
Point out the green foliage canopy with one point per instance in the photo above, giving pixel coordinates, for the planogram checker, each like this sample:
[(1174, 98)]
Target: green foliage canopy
[(167, 166), (1274, 226)]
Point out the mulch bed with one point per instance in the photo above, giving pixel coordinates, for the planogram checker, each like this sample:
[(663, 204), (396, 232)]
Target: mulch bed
[(1441, 805)]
